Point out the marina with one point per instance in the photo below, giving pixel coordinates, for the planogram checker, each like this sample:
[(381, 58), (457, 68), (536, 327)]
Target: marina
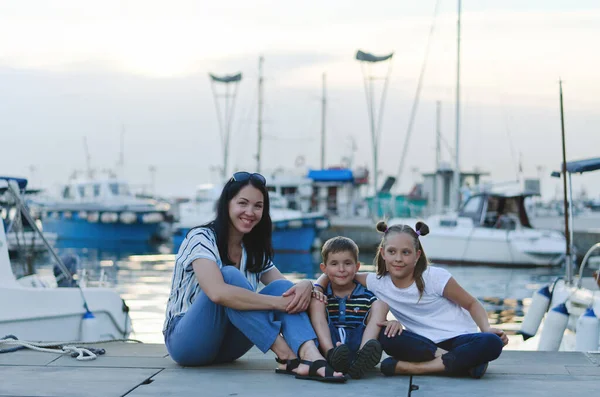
[(283, 126)]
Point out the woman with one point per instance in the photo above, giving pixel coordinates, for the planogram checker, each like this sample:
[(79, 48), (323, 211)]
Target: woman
[(214, 312)]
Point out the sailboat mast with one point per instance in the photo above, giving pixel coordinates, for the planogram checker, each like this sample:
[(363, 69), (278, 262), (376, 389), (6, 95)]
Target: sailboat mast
[(566, 198), (323, 108), (457, 126), (260, 109), (438, 150)]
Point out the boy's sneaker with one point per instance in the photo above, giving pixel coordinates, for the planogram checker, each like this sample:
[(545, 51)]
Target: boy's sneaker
[(339, 358), (478, 371), (366, 358)]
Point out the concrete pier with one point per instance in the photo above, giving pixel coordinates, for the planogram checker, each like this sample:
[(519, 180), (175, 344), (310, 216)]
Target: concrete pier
[(136, 370)]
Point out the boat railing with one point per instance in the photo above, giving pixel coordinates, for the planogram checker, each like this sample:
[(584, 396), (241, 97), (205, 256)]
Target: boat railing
[(584, 262), (24, 210)]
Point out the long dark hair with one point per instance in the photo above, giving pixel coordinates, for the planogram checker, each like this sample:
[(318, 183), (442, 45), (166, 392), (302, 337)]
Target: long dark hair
[(422, 262), (258, 244)]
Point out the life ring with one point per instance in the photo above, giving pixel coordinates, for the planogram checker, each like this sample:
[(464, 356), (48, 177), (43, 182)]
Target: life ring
[(299, 161)]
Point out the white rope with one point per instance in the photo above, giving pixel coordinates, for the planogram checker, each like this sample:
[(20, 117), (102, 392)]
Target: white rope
[(83, 354)]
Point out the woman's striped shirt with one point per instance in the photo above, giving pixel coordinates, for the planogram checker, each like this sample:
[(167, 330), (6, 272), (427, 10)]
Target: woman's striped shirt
[(200, 243)]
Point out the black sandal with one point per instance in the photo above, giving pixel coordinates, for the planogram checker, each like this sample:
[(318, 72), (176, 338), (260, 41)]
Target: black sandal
[(313, 375), (339, 358), (366, 358), (290, 366)]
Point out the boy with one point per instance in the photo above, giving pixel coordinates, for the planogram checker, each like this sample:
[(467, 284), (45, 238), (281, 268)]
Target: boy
[(347, 326)]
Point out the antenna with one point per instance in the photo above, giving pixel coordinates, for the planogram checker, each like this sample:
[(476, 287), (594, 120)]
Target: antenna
[(457, 144), (87, 158), (323, 108), (260, 109)]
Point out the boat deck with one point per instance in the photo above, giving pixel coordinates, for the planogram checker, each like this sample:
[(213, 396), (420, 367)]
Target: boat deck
[(146, 370)]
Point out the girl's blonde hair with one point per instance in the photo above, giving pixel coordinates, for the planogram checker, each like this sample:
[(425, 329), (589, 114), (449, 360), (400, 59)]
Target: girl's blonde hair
[(420, 230)]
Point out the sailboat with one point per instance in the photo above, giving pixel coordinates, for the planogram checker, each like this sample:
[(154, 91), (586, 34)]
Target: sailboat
[(490, 228)]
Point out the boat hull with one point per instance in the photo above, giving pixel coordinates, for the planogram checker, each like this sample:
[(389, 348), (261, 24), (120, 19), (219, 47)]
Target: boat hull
[(464, 244), (60, 317), (296, 235), (82, 229)]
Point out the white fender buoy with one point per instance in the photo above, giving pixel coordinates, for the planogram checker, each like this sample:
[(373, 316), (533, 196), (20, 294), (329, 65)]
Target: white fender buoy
[(554, 328), (560, 293), (535, 314), (89, 327), (587, 332)]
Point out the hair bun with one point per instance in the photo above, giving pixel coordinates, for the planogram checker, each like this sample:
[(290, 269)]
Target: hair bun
[(381, 226), (422, 228)]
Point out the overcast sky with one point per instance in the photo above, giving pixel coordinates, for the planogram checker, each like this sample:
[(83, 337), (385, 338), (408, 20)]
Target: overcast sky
[(71, 69)]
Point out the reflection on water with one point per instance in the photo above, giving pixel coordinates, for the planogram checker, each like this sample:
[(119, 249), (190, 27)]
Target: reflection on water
[(143, 278)]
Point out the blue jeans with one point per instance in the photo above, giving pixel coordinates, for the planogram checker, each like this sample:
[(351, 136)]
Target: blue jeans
[(209, 333), (352, 337), (464, 351)]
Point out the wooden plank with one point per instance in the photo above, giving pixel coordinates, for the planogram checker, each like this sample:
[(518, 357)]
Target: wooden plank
[(67, 382), (27, 357), (116, 362), (208, 382), (492, 385)]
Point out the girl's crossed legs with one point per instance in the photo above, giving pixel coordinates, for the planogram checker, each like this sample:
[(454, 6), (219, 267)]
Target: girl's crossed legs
[(415, 354)]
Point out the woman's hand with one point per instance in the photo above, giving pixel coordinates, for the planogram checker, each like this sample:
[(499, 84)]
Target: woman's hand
[(392, 328), (301, 297), (500, 333)]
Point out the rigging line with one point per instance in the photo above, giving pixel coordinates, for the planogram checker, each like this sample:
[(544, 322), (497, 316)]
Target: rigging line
[(367, 77), (230, 118), (510, 140), (450, 150), (382, 102), (214, 91), (415, 105)]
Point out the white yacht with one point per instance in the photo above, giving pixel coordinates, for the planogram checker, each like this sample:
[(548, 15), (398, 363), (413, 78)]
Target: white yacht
[(490, 229), (37, 310)]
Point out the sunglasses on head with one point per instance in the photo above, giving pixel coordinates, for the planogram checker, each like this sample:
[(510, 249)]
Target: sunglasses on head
[(243, 176)]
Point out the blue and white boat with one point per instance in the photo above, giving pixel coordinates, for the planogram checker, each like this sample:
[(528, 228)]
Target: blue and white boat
[(104, 210), (293, 230)]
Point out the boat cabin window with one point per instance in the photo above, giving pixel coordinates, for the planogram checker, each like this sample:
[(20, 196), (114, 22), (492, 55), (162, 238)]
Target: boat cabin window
[(118, 189), (67, 193), (472, 209), (502, 213), (81, 191), (96, 190), (88, 191)]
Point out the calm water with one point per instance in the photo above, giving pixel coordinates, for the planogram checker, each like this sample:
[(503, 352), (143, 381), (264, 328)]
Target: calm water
[(144, 282)]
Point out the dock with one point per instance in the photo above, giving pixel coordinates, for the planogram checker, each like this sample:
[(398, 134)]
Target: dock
[(136, 369)]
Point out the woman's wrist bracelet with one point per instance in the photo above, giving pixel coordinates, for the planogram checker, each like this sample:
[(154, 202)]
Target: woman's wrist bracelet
[(318, 285)]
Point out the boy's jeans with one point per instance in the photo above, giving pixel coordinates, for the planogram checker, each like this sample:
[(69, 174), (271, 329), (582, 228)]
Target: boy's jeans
[(464, 351), (208, 333)]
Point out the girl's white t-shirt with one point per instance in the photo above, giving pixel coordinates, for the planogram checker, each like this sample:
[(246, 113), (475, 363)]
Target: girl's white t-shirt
[(433, 316)]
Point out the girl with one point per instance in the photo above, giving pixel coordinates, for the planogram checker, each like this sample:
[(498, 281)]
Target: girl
[(215, 314), (440, 318)]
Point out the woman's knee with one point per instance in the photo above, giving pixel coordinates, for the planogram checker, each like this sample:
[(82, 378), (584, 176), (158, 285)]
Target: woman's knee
[(233, 276), (277, 287)]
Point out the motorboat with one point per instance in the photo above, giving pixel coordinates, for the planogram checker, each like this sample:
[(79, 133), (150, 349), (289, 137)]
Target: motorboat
[(38, 309), (490, 229), (103, 209)]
